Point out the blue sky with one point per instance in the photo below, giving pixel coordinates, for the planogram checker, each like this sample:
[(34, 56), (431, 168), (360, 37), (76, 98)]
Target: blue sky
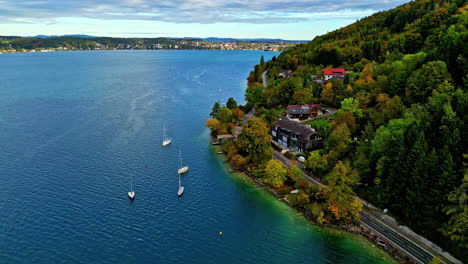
[(287, 19)]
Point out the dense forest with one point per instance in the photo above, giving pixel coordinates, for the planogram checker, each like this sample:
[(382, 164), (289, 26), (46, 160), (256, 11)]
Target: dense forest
[(399, 138)]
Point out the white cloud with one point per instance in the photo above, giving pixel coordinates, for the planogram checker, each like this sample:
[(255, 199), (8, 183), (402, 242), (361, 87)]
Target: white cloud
[(193, 11)]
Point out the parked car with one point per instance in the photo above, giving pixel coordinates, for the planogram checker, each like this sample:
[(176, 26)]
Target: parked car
[(301, 159)]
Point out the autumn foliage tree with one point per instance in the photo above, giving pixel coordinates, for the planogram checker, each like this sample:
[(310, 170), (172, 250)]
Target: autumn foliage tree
[(238, 162), (327, 95), (341, 202), (238, 114), (254, 141), (275, 173), (215, 126)]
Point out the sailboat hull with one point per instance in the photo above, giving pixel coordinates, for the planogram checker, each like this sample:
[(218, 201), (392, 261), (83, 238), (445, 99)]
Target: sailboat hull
[(131, 195), (166, 142), (180, 191), (183, 170)]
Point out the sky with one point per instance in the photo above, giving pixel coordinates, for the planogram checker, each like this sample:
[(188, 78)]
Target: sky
[(286, 19)]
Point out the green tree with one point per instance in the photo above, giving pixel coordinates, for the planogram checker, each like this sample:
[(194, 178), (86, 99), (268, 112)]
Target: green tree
[(314, 161), (254, 94), (288, 87), (457, 227), (231, 103), (401, 70), (215, 109), (425, 80), (351, 105), (340, 138), (300, 199), (294, 173), (224, 115), (394, 108), (254, 141), (303, 96), (275, 173)]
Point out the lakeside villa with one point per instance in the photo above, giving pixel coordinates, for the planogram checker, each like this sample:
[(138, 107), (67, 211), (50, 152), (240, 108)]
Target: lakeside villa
[(304, 111), (295, 136)]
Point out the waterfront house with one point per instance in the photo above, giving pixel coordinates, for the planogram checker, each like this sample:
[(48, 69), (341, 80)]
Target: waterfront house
[(295, 136), (303, 111), (223, 138), (329, 74)]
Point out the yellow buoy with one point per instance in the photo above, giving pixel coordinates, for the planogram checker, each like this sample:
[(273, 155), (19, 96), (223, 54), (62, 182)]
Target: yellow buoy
[(220, 233)]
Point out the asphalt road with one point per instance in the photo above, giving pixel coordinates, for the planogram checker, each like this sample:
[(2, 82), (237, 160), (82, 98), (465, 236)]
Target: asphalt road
[(387, 233), (264, 79), (418, 254)]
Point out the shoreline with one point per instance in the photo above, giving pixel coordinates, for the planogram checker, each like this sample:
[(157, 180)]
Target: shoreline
[(367, 235), (47, 50)]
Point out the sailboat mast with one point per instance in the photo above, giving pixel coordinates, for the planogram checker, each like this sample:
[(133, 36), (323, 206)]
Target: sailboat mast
[(180, 158)]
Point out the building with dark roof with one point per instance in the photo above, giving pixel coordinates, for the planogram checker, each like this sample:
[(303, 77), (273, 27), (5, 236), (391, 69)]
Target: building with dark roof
[(295, 136), (303, 111)]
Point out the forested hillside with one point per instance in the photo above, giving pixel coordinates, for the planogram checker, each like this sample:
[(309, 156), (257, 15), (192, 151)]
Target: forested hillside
[(402, 121)]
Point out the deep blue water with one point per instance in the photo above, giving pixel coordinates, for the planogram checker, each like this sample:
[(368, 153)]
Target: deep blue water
[(74, 126)]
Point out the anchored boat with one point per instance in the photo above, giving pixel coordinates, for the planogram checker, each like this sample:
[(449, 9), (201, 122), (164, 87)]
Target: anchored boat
[(181, 189), (182, 169), (166, 140), (131, 193)]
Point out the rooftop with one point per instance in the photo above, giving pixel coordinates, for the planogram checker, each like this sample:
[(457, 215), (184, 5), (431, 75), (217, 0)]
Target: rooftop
[(334, 71), (303, 131), (302, 109)]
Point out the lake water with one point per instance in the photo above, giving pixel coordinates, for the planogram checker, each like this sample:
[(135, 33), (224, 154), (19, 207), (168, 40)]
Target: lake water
[(75, 126)]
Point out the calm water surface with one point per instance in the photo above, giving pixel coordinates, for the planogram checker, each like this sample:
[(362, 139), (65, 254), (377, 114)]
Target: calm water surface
[(74, 126)]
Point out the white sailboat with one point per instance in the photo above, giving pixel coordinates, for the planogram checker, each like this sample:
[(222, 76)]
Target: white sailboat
[(131, 193), (181, 169), (166, 140), (181, 189)]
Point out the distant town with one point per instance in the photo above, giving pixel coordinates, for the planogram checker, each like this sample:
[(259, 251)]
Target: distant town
[(65, 43)]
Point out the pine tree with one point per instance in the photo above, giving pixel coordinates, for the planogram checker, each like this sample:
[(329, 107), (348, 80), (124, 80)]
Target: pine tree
[(215, 109)]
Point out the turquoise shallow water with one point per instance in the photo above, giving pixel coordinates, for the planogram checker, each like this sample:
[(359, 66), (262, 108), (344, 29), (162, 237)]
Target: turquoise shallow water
[(75, 125)]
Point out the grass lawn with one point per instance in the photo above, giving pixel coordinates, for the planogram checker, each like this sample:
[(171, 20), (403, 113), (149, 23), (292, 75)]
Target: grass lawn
[(318, 124)]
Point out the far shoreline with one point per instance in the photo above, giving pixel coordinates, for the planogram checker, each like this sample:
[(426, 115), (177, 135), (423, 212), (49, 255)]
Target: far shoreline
[(68, 50)]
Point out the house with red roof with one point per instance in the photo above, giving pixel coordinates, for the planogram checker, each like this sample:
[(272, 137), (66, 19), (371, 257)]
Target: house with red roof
[(329, 74)]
